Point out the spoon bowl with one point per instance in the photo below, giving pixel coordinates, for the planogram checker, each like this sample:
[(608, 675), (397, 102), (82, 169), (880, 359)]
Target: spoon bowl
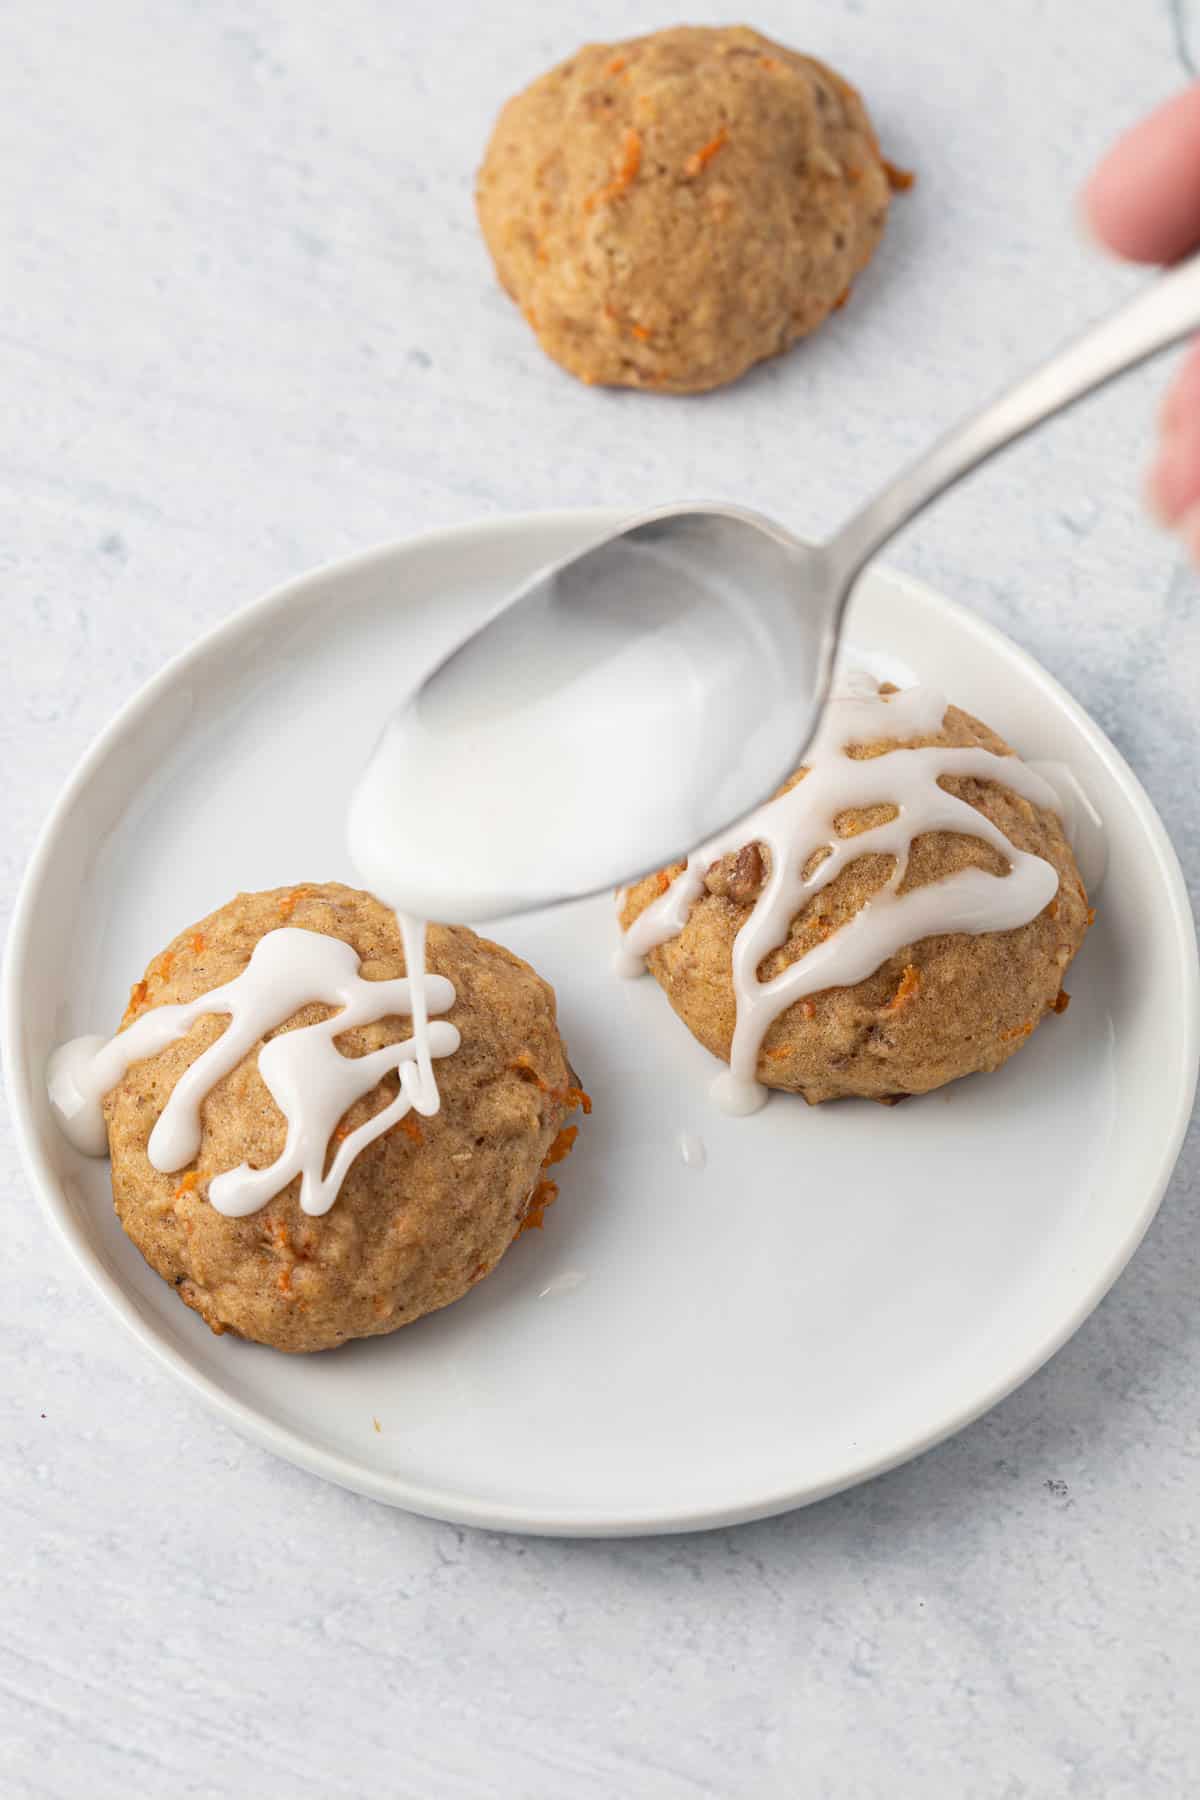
[(626, 704), (636, 699)]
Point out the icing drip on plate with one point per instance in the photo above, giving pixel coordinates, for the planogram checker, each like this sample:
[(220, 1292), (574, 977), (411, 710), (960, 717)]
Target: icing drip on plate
[(796, 825), (311, 1081)]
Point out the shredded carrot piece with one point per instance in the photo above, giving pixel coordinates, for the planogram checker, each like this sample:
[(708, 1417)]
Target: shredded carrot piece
[(780, 1053), (277, 1231), (341, 1134), (808, 1009), (197, 943), (1052, 909), (768, 62), (187, 1183), (615, 66), (899, 180), (624, 175), (910, 987), (843, 297), (570, 1097), (1018, 1031), (165, 964), (283, 1281), (287, 905), (137, 994), (640, 332), (631, 160), (480, 1269), (1061, 1004), (662, 881), (543, 1195), (1091, 915), (412, 1130), (562, 1146), (700, 158)]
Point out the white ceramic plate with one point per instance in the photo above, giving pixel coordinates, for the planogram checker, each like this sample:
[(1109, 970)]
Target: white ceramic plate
[(835, 1290)]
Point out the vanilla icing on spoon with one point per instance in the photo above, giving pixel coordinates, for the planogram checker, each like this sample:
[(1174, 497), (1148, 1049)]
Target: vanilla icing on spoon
[(795, 825), (311, 1081)]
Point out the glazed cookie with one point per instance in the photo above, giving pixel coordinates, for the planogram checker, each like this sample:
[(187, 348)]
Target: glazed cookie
[(423, 1211), (904, 914), (669, 210)]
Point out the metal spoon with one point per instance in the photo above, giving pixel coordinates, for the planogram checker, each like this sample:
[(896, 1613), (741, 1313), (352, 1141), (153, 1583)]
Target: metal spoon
[(637, 698)]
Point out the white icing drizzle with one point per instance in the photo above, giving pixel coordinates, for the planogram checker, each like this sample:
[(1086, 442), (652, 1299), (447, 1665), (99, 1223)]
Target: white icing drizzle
[(692, 1150), (308, 1077), (796, 824)]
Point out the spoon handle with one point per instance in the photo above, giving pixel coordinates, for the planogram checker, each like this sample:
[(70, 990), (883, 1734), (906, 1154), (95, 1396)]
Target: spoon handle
[(1158, 317)]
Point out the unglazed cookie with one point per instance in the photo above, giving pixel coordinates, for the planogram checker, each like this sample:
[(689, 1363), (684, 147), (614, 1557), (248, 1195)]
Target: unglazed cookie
[(423, 1212), (669, 210), (908, 784)]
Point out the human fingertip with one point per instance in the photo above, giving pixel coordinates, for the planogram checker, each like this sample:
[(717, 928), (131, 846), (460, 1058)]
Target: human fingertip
[(1172, 482), (1181, 398), (1142, 201)]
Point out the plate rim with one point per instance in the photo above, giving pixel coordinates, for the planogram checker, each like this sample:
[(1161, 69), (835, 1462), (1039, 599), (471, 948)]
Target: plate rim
[(291, 1445)]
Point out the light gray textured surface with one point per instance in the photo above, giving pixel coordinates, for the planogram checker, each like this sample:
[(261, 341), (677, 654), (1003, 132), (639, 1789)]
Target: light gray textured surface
[(246, 325)]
